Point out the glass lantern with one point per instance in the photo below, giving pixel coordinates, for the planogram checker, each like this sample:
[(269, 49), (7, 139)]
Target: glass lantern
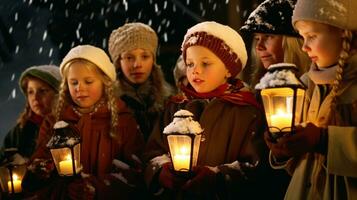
[(184, 138), (283, 97), (11, 176), (65, 149)]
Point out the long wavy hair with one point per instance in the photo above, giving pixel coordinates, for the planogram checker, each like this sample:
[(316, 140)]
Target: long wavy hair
[(109, 87)]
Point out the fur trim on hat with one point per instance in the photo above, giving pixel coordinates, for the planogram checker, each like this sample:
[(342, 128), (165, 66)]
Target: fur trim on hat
[(94, 55), (222, 40), (50, 74), (271, 17), (338, 13), (132, 36)]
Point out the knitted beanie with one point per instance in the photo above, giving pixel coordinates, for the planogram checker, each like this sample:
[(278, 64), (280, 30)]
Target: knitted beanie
[(222, 40), (50, 74), (92, 54), (271, 17), (338, 13), (132, 36)]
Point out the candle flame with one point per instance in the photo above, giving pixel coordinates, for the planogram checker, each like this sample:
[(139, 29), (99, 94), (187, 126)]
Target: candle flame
[(68, 157), (184, 150), (15, 177)]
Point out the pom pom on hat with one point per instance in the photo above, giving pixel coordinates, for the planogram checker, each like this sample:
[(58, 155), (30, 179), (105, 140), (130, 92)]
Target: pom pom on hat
[(222, 40), (338, 13), (271, 17), (132, 36), (92, 54), (50, 74)]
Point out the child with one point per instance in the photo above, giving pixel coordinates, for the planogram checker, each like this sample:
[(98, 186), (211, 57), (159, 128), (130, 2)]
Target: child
[(275, 40), (40, 85), (322, 154), (231, 156), (107, 129), (143, 88)]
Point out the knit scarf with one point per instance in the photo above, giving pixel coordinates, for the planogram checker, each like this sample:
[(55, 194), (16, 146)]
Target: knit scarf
[(234, 92), (322, 76), (36, 119)]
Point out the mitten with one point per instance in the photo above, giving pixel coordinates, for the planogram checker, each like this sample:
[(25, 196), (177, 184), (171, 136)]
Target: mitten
[(204, 180), (81, 188), (168, 178), (131, 175)]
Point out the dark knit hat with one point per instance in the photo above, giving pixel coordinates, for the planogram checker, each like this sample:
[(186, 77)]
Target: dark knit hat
[(338, 13), (50, 74), (272, 17), (131, 36), (222, 40)]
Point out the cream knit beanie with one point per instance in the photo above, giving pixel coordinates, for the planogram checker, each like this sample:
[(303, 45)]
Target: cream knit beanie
[(338, 13), (94, 55), (132, 36)]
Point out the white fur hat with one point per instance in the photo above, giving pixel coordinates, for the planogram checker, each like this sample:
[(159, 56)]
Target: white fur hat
[(94, 55)]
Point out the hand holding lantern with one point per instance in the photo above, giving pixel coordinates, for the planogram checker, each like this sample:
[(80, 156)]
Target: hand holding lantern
[(65, 149), (283, 96)]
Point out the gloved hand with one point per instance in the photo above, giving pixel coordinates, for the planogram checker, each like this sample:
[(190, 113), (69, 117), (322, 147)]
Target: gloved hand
[(168, 178), (204, 180), (81, 188), (128, 174), (306, 139), (42, 168)]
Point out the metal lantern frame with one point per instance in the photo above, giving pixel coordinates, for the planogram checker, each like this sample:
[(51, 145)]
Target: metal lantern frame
[(8, 171), (195, 140), (59, 143), (296, 88)]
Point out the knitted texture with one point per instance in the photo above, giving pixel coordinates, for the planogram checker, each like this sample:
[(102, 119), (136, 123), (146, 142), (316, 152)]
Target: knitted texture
[(222, 40), (132, 36), (338, 13), (50, 74), (271, 17), (92, 54)]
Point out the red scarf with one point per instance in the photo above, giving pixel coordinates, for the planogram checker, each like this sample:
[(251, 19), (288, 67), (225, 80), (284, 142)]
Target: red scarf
[(234, 93), (36, 119)]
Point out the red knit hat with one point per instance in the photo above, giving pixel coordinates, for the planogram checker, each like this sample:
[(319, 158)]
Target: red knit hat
[(222, 40)]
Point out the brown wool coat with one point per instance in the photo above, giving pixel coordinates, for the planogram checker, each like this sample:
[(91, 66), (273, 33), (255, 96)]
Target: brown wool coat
[(98, 148), (232, 132)]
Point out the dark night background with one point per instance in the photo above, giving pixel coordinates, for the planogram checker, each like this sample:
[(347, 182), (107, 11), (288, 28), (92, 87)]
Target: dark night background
[(35, 32)]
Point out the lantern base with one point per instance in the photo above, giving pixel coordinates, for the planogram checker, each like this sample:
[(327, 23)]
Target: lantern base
[(11, 196), (275, 135), (184, 174)]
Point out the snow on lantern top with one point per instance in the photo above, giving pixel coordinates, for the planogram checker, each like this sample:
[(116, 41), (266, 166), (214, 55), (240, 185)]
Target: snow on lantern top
[(183, 123), (65, 135), (280, 74)]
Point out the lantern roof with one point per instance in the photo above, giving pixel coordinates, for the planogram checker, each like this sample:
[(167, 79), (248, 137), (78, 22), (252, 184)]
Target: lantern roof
[(65, 135), (183, 123), (280, 75)]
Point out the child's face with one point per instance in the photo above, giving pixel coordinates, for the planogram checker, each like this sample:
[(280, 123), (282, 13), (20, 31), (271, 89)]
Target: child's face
[(205, 71), (40, 96), (85, 85), (323, 43), (269, 48), (137, 65)]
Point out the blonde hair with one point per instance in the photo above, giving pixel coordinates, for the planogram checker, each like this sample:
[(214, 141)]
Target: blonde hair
[(348, 44), (292, 47), (109, 87)]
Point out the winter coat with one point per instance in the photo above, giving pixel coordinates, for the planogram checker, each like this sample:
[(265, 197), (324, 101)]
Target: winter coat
[(98, 149), (23, 139), (332, 176), (233, 142), (146, 100)]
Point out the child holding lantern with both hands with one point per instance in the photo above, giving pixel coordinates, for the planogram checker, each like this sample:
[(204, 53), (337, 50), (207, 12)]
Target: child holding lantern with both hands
[(232, 156), (111, 143)]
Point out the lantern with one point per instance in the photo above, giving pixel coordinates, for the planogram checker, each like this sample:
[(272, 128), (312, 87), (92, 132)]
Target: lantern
[(184, 138), (65, 149), (283, 96), (12, 173)]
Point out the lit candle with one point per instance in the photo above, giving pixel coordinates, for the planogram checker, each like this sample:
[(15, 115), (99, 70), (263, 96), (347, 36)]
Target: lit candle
[(281, 119), (182, 160), (65, 166), (17, 184)]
